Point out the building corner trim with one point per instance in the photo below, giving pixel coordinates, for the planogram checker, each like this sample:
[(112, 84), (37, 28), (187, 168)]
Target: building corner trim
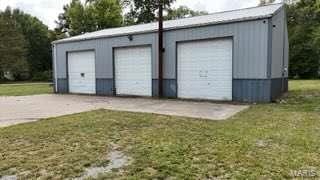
[(55, 68)]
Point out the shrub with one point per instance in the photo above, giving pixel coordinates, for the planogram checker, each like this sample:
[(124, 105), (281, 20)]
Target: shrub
[(42, 76)]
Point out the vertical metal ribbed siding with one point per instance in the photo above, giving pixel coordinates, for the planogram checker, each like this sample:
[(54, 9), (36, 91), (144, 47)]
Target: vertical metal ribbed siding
[(255, 90), (250, 47), (286, 50), (278, 44), (249, 61), (104, 52)]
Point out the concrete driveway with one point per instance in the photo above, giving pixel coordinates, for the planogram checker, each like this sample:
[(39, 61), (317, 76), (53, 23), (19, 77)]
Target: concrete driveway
[(14, 110)]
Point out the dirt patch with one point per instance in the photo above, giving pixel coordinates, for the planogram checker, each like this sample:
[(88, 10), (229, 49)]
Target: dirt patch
[(116, 159), (263, 143)]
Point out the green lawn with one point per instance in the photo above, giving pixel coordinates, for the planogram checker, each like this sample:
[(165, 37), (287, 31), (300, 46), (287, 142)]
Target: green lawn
[(24, 89), (267, 141)]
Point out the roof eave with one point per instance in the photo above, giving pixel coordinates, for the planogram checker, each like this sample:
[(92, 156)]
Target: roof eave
[(168, 29)]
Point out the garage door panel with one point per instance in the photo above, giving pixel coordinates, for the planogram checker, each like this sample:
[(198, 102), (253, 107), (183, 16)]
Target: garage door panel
[(81, 67), (80, 82), (81, 72), (205, 70), (133, 71), (78, 75), (84, 70), (127, 88)]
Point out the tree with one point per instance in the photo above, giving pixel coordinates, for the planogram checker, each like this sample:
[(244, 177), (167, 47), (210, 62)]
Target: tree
[(93, 15), (63, 23), (36, 40), (144, 11), (12, 47), (107, 13), (75, 19), (38, 44), (304, 35), (183, 12)]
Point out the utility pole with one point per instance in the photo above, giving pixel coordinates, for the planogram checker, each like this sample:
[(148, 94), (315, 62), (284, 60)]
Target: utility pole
[(160, 45)]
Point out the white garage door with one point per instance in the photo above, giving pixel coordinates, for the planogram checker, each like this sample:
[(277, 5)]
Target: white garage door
[(133, 71), (82, 78), (205, 70)]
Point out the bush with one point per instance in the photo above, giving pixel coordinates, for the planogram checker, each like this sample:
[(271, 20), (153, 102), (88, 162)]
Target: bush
[(42, 76)]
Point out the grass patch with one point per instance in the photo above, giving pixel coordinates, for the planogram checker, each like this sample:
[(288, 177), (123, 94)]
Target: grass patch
[(24, 89), (265, 141)]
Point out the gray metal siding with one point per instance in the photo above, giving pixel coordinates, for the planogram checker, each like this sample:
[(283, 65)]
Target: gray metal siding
[(278, 44), (280, 55), (252, 90), (62, 85), (169, 88), (269, 56), (250, 58), (276, 88), (104, 87), (250, 49), (286, 51), (104, 52), (250, 46)]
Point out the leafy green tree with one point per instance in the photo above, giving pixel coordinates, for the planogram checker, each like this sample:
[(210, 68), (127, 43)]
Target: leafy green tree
[(93, 15), (12, 47), (75, 19), (183, 12), (106, 13), (304, 35), (38, 43), (144, 11)]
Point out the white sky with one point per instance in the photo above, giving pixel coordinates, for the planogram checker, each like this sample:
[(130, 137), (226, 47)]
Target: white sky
[(48, 10)]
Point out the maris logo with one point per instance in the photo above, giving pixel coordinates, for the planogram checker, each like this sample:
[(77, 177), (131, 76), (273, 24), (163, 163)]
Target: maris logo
[(307, 173)]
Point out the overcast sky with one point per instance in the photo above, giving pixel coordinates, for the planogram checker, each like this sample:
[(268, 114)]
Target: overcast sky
[(48, 10)]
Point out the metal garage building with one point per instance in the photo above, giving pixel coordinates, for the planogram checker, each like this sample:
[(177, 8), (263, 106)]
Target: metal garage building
[(239, 55)]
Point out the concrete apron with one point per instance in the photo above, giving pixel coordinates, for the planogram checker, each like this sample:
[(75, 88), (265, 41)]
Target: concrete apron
[(15, 110)]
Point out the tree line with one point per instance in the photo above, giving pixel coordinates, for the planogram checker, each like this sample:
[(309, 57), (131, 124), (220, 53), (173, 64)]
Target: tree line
[(304, 36), (93, 15), (25, 50), (25, 42)]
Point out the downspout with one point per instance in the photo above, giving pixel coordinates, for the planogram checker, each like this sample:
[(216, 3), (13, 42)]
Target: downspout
[(269, 57), (160, 46), (283, 48)]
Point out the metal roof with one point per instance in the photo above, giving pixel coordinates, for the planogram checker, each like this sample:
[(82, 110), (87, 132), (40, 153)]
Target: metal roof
[(215, 18)]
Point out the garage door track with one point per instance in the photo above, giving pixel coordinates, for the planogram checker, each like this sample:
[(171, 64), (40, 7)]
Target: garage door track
[(14, 110)]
